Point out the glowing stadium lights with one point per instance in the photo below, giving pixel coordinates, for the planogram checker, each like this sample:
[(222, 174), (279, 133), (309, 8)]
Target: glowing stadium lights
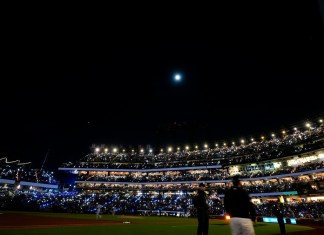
[(242, 141), (308, 125)]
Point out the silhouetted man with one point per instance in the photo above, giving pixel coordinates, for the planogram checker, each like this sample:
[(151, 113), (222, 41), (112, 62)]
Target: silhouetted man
[(200, 203), (238, 205), (276, 210)]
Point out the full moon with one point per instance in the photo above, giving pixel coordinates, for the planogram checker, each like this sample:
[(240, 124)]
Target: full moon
[(177, 77)]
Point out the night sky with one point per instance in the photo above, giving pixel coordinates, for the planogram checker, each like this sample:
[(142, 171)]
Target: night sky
[(66, 86)]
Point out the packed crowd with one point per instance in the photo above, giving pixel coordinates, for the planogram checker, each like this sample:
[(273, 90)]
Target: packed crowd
[(17, 171), (197, 175), (277, 147), (136, 202)]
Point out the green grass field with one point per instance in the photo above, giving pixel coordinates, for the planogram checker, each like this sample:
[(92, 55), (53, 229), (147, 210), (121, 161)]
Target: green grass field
[(144, 226)]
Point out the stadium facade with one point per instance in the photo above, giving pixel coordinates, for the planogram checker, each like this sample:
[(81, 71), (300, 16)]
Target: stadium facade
[(288, 167)]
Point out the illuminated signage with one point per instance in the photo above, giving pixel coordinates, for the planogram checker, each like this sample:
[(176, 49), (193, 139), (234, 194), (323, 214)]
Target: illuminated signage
[(299, 161), (275, 220)]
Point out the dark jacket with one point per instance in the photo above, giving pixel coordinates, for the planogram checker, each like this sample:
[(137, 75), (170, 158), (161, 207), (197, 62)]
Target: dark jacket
[(238, 203), (277, 212), (200, 200)]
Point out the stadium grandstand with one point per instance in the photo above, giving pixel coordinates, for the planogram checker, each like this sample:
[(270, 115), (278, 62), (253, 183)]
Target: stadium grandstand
[(287, 166), (22, 174)]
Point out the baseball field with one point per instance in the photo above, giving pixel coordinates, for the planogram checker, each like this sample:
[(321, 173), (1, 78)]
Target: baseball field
[(26, 223)]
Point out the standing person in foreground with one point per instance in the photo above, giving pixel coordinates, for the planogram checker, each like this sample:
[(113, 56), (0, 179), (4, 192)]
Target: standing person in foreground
[(277, 211), (200, 203), (238, 205)]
